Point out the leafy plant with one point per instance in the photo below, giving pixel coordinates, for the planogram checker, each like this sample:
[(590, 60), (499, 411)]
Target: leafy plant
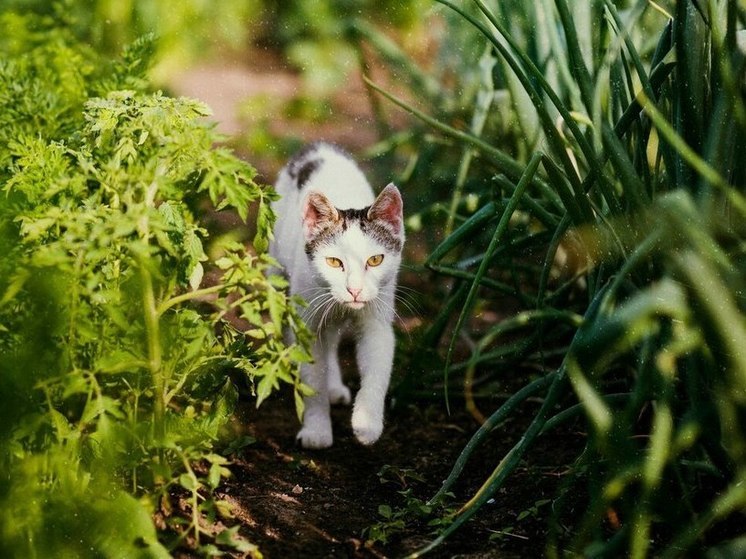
[(115, 387), (314, 37), (318, 37), (414, 510), (107, 26), (533, 512), (611, 224)]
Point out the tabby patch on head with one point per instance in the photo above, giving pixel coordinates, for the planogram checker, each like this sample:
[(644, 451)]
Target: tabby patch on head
[(382, 221), (355, 250)]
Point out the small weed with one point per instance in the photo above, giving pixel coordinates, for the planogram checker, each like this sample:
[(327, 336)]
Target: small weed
[(533, 512), (506, 533), (237, 446), (231, 539), (401, 476), (303, 464), (413, 512), (394, 521)]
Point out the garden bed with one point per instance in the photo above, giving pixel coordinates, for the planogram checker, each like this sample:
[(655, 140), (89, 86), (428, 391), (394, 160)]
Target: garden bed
[(293, 502)]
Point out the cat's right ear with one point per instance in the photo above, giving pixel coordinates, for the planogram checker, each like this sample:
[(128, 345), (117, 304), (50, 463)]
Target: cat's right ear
[(318, 213)]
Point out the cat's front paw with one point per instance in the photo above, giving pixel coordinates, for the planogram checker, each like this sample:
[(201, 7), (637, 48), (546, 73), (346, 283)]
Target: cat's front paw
[(339, 394), (366, 427), (315, 436)]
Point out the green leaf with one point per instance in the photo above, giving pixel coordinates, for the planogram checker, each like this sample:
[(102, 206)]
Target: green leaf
[(172, 217), (232, 539), (264, 388), (214, 475), (385, 511), (299, 354), (277, 304), (264, 222), (189, 482), (256, 333), (118, 361), (60, 424), (300, 405), (195, 276), (121, 528)]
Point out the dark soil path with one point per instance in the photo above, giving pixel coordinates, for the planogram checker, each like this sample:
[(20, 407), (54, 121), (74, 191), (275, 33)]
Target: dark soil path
[(297, 503)]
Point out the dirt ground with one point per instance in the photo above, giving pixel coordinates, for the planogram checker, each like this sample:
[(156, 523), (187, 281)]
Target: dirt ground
[(292, 502), (298, 503)]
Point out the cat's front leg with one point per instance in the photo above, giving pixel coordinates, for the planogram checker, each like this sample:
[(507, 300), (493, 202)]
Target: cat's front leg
[(375, 355), (317, 424)]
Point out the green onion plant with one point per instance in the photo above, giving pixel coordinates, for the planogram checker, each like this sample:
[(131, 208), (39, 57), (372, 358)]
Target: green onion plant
[(595, 207)]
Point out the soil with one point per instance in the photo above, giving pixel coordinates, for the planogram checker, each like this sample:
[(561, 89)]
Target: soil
[(292, 502)]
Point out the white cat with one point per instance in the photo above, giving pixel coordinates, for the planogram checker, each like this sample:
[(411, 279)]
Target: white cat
[(341, 250)]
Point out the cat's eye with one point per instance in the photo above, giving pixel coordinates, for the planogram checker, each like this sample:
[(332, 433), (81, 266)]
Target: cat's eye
[(334, 262), (375, 260)]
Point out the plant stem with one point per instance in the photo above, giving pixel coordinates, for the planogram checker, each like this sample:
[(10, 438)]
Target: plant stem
[(155, 357), (173, 301), (502, 226), (152, 324), (487, 427)]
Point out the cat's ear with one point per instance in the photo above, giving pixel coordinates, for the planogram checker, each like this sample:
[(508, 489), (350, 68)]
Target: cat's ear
[(318, 212), (388, 208)]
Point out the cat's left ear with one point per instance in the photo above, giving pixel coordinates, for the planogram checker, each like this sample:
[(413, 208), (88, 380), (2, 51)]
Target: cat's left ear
[(388, 208)]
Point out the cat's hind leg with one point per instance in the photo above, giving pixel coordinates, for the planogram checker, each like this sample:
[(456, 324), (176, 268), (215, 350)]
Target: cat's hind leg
[(338, 392)]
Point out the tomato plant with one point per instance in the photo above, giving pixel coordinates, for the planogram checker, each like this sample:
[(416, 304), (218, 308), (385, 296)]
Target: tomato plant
[(114, 385)]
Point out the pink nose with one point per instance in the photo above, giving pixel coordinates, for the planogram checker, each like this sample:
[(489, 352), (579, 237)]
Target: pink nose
[(354, 292)]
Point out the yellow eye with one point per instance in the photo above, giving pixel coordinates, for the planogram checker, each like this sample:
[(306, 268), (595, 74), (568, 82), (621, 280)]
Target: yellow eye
[(375, 260), (334, 262)]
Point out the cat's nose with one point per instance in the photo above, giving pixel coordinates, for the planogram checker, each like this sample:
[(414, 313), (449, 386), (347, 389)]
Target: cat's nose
[(355, 292)]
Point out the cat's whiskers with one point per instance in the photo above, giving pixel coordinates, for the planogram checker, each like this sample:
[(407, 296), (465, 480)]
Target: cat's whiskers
[(322, 295), (405, 291), (319, 304), (382, 307), (314, 305), (405, 296), (312, 291), (331, 304)]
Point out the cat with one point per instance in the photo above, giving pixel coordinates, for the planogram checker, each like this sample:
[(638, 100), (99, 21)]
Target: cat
[(340, 247)]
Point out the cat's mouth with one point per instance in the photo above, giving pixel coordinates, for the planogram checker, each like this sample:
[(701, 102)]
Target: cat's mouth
[(357, 305)]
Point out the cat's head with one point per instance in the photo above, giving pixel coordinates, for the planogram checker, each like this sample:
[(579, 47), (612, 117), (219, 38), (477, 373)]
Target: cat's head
[(355, 251)]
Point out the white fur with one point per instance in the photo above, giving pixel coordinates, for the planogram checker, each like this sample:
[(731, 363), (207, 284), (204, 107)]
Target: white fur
[(354, 298)]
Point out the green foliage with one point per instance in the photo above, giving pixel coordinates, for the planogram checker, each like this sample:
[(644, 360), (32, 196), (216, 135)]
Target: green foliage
[(534, 512), (607, 241), (115, 388), (319, 36), (106, 26), (314, 35), (412, 511)]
